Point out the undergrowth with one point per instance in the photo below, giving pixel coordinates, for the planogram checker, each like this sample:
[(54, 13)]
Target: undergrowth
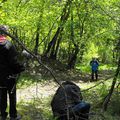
[(40, 109)]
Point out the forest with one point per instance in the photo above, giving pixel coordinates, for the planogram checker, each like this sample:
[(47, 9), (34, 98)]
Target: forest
[(62, 37)]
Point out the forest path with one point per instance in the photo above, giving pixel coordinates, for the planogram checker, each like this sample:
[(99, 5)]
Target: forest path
[(48, 87), (40, 93)]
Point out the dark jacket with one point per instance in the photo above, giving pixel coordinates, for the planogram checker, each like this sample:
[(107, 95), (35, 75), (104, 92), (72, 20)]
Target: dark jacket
[(9, 64), (73, 96)]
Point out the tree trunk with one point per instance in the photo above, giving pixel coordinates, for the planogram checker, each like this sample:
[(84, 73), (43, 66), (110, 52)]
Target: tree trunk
[(82, 50), (57, 47), (53, 48), (73, 58), (81, 29), (37, 41), (52, 44), (107, 98), (72, 61)]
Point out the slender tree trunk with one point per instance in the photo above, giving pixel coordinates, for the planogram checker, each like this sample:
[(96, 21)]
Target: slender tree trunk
[(57, 47), (81, 29), (72, 61), (52, 44), (82, 50), (107, 98), (37, 41), (73, 58), (38, 28)]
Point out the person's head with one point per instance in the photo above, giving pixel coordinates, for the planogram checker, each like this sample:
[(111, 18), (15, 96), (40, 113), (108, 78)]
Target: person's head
[(68, 83), (4, 28), (93, 58)]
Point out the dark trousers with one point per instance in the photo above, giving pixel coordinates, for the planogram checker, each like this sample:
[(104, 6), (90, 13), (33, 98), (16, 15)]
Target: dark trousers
[(12, 99), (81, 110), (78, 112), (94, 74)]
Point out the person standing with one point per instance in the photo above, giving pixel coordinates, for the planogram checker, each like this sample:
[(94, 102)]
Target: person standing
[(9, 67), (94, 68)]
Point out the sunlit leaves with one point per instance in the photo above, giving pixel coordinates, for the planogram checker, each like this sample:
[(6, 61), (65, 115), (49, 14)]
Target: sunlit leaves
[(99, 18)]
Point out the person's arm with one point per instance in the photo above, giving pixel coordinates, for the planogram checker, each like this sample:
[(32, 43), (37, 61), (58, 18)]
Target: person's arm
[(13, 63), (90, 63), (98, 63)]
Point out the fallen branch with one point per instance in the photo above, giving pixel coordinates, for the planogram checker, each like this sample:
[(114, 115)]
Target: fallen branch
[(38, 58), (97, 84)]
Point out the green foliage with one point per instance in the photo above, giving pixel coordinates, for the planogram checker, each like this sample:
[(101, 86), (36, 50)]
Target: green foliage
[(33, 106), (95, 28), (103, 89), (84, 68), (96, 95), (107, 67), (26, 80), (92, 52), (115, 104), (96, 17), (35, 109)]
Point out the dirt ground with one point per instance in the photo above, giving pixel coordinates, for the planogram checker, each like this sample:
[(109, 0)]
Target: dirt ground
[(48, 88), (41, 90)]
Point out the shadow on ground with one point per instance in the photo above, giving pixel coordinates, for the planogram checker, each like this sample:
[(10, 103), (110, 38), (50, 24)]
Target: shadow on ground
[(71, 75)]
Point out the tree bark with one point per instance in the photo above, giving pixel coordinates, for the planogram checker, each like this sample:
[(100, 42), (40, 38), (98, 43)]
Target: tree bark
[(54, 53), (73, 58), (71, 63), (37, 41), (52, 44)]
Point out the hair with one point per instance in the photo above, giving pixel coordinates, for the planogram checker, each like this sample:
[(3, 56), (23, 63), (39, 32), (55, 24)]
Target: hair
[(68, 83)]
